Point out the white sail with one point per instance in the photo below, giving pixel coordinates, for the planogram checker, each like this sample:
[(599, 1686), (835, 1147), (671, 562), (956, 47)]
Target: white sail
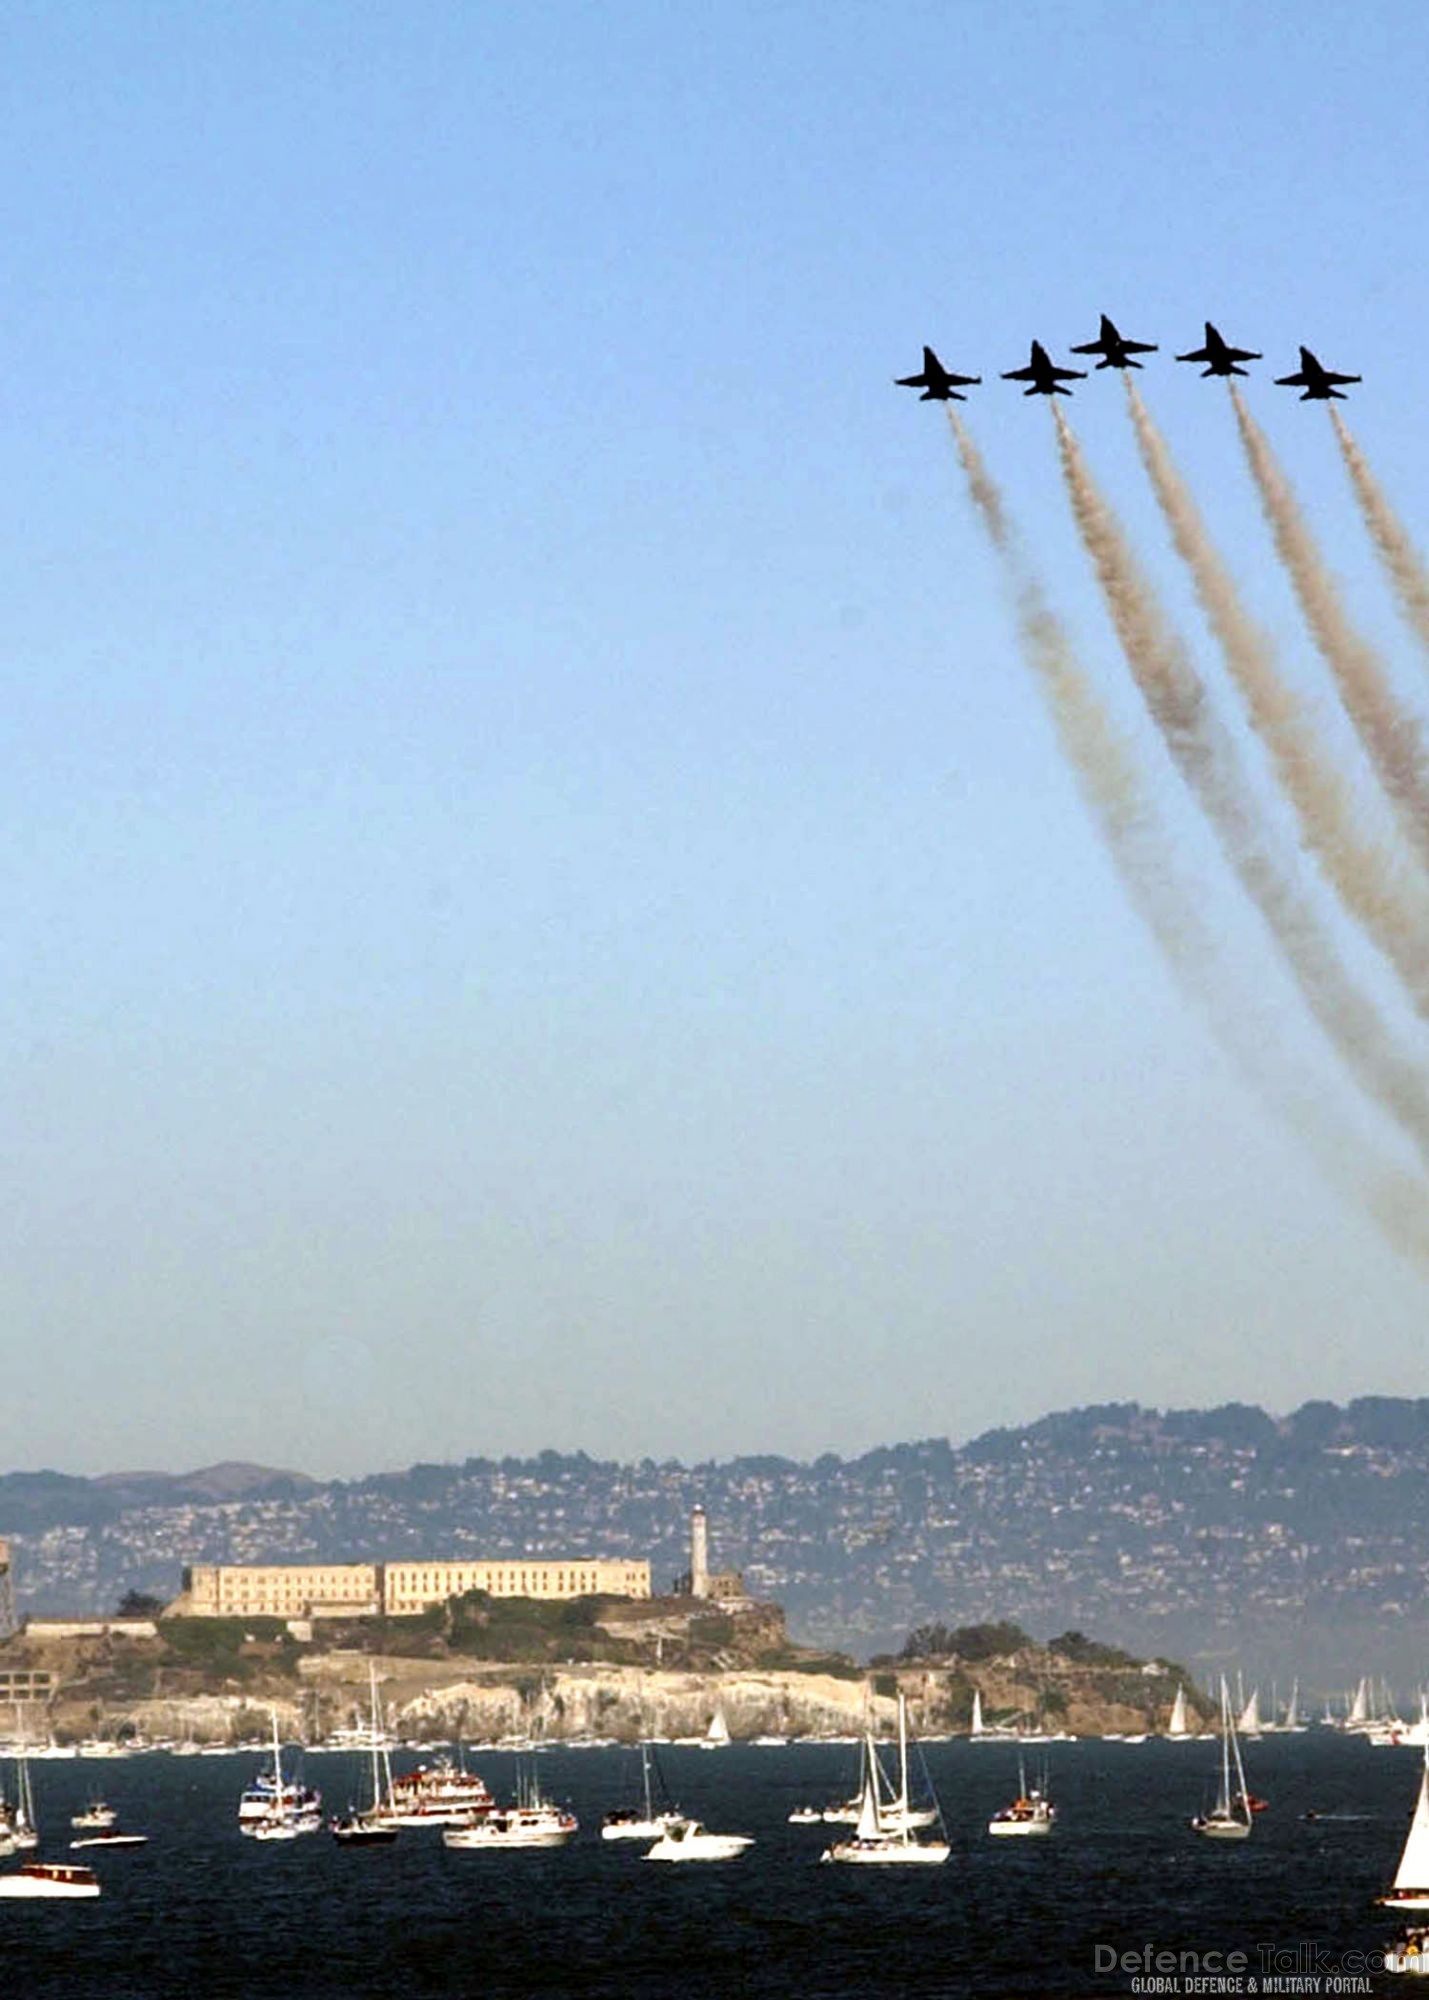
[(870, 1819), (1359, 1708), (1178, 1725), (1414, 1862), (1248, 1722), (718, 1731), (977, 1721), (1292, 1713)]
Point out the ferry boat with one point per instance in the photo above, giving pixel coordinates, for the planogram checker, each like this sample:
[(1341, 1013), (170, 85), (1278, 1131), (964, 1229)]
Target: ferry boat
[(50, 1878), (437, 1794)]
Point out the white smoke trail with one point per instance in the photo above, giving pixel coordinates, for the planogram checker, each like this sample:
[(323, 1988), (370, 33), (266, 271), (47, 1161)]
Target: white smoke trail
[(1369, 879), (1389, 732), (1143, 855), (1407, 571), (1176, 697)]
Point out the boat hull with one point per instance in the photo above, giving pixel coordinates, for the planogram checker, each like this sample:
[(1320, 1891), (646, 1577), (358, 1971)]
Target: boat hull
[(892, 1854), (706, 1847), (1019, 1829)]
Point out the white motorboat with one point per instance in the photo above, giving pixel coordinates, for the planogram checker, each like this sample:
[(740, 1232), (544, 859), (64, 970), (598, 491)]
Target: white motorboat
[(50, 1878), (877, 1839), (95, 1817), (1230, 1818), (806, 1816), (532, 1822), (1410, 1889), (645, 1821), (688, 1840), (111, 1837)]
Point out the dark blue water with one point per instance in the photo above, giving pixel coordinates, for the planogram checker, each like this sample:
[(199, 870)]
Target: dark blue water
[(204, 1913)]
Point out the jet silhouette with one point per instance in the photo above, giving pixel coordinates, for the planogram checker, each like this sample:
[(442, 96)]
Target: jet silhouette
[(1222, 359), (1317, 382), (937, 384), (1115, 352), (1046, 379)]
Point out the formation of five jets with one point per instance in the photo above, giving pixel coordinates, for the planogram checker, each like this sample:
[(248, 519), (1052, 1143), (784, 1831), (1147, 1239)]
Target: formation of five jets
[(940, 385)]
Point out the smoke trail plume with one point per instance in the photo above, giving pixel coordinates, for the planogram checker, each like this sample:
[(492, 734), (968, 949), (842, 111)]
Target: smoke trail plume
[(1368, 878), (1403, 561), (1388, 731), (1142, 853), (1206, 757)]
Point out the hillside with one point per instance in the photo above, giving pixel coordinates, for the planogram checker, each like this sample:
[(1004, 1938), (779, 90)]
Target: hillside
[(1291, 1544)]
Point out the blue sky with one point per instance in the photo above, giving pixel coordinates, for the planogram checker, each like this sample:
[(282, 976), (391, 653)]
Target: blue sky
[(541, 906)]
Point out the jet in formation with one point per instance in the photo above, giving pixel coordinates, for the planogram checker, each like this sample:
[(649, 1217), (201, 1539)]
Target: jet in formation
[(1046, 378), (936, 382), (1116, 352), (1220, 359), (1317, 382)]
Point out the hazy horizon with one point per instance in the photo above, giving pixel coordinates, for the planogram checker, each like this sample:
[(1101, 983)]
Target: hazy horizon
[(544, 908)]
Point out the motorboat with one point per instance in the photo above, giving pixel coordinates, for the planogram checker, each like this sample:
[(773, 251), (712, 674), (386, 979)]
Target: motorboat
[(689, 1840), (95, 1817), (109, 1837), (532, 1822), (50, 1878)]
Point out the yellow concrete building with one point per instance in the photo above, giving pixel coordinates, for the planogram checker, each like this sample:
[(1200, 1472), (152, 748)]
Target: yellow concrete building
[(280, 1590), (398, 1589), (412, 1586)]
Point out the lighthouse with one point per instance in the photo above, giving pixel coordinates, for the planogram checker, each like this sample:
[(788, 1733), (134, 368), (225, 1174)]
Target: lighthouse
[(699, 1554)]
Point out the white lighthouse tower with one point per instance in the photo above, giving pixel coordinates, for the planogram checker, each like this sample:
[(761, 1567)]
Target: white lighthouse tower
[(699, 1553)]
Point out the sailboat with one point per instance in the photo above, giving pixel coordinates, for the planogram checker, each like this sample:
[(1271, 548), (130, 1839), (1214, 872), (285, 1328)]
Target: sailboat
[(1410, 1890), (291, 1809), (368, 1828), (20, 1829), (1230, 1817), (884, 1836), (1249, 1723), (986, 1732), (640, 1822), (717, 1735), (1031, 1812), (1179, 1727)]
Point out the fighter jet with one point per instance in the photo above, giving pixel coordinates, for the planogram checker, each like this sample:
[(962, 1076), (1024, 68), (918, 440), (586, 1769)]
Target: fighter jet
[(1317, 382), (937, 384), (1222, 359), (1046, 379), (1115, 352)]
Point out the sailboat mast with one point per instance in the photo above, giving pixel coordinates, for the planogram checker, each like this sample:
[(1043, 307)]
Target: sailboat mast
[(372, 1682)]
